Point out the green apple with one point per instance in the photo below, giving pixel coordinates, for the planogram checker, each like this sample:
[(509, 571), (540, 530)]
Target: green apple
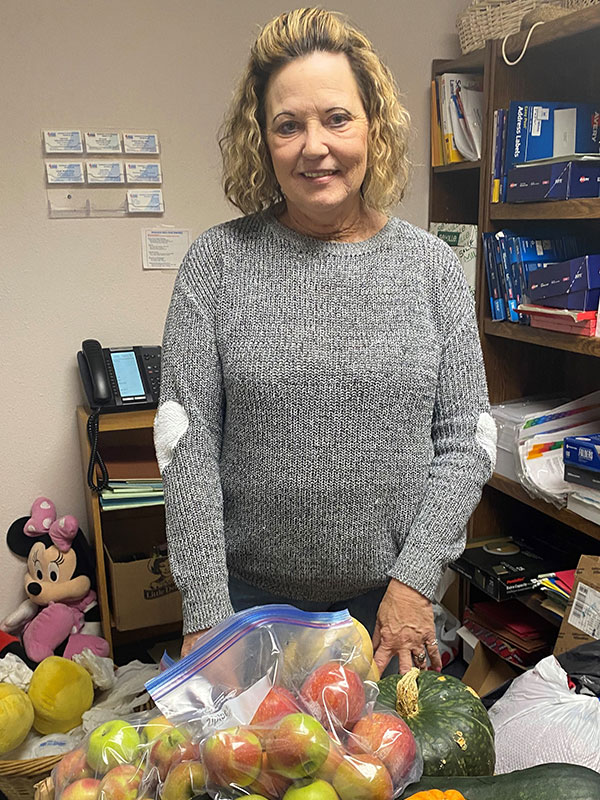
[(254, 797), (311, 790), (112, 743), (297, 746), (153, 729), (184, 781)]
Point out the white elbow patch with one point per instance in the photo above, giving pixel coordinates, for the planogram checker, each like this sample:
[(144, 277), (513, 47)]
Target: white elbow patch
[(487, 436), (170, 424)]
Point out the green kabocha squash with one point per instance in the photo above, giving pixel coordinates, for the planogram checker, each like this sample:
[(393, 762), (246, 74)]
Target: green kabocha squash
[(544, 782), (448, 720)]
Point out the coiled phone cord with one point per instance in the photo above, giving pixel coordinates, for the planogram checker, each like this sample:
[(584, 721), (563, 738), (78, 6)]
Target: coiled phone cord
[(95, 457)]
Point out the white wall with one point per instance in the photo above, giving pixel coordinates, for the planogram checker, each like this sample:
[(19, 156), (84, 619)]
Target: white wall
[(168, 65)]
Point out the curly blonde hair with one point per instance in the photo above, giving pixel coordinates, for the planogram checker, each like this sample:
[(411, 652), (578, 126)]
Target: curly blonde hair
[(248, 177)]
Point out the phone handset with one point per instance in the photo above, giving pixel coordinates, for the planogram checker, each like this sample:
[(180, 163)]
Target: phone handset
[(93, 358), (95, 379)]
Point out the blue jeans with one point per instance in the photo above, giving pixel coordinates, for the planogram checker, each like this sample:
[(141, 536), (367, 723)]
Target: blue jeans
[(363, 608)]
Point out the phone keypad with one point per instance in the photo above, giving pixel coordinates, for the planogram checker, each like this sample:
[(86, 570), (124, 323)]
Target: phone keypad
[(152, 365)]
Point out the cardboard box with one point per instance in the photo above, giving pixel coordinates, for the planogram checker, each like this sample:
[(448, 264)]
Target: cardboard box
[(561, 180), (581, 622), (537, 130), (582, 451), (142, 589), (487, 671), (469, 643), (564, 277), (501, 573)]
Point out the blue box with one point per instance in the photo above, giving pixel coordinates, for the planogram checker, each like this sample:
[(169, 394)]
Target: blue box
[(582, 451), (564, 278), (551, 129), (587, 300), (558, 181)]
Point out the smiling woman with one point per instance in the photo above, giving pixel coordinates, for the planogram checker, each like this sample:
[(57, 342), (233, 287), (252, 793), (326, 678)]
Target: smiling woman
[(323, 402)]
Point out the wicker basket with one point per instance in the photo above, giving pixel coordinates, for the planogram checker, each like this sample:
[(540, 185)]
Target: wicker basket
[(494, 20), (579, 3), (18, 778), (44, 790)]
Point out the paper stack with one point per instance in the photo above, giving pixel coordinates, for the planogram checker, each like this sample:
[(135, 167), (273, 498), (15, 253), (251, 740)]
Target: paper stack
[(539, 463)]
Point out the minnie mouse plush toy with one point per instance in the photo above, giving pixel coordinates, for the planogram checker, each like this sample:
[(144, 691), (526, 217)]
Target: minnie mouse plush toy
[(60, 615)]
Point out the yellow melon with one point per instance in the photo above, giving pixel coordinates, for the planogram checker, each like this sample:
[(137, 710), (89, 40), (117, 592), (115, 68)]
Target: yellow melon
[(16, 717), (60, 691)]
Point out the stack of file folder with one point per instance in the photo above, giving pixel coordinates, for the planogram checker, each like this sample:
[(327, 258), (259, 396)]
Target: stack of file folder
[(557, 588), (133, 493)]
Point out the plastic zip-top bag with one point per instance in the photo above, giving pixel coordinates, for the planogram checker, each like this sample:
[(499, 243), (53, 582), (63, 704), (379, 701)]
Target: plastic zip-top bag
[(283, 703)]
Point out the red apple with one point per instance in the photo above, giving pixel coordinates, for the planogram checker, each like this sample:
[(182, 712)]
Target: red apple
[(184, 781), (363, 777), (233, 757), (72, 767), (297, 746), (334, 758), (121, 783), (268, 783), (170, 747), (83, 789), (277, 704), (333, 690), (389, 738)]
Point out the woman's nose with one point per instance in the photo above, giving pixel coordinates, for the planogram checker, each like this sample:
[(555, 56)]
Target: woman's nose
[(315, 142)]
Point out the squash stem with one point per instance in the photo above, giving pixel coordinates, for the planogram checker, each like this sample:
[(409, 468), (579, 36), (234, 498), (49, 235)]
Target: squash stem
[(407, 694)]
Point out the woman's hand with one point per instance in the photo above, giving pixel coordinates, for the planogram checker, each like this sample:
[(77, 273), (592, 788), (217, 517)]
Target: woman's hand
[(190, 639), (405, 626)]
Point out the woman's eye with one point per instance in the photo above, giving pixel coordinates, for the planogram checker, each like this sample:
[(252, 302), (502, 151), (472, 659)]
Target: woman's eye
[(338, 119), (288, 127), (53, 572)]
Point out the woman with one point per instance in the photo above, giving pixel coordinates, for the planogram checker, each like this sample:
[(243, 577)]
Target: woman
[(323, 430)]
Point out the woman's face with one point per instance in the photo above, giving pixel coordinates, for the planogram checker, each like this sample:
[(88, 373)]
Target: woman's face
[(316, 130)]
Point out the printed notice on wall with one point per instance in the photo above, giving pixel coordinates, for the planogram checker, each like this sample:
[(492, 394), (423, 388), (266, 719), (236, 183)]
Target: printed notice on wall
[(585, 613), (164, 248)]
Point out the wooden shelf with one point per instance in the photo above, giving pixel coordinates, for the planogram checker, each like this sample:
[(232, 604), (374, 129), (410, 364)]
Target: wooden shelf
[(459, 166), (588, 345), (534, 600), (515, 490), (581, 22), (584, 208), (123, 421)]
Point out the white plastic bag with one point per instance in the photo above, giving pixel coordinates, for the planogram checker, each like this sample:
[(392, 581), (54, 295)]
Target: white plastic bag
[(541, 720)]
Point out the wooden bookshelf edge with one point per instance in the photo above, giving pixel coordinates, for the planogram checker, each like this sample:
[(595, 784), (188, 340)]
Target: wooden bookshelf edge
[(587, 345), (516, 491), (120, 421)]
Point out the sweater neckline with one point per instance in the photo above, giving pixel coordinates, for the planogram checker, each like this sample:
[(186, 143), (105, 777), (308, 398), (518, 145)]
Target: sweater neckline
[(312, 244)]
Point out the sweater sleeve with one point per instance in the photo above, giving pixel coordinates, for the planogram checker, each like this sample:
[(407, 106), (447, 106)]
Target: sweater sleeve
[(187, 436), (464, 451)]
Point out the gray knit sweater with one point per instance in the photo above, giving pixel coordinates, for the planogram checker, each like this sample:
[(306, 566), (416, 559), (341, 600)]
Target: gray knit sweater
[(323, 421)]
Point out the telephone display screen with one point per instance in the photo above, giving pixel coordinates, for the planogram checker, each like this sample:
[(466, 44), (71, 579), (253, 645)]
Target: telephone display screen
[(128, 375)]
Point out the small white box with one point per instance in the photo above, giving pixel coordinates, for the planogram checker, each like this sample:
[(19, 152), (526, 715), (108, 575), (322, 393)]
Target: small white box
[(469, 642)]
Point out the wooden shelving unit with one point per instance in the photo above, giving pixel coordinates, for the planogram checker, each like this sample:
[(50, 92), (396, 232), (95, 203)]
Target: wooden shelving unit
[(560, 64), (130, 433)]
